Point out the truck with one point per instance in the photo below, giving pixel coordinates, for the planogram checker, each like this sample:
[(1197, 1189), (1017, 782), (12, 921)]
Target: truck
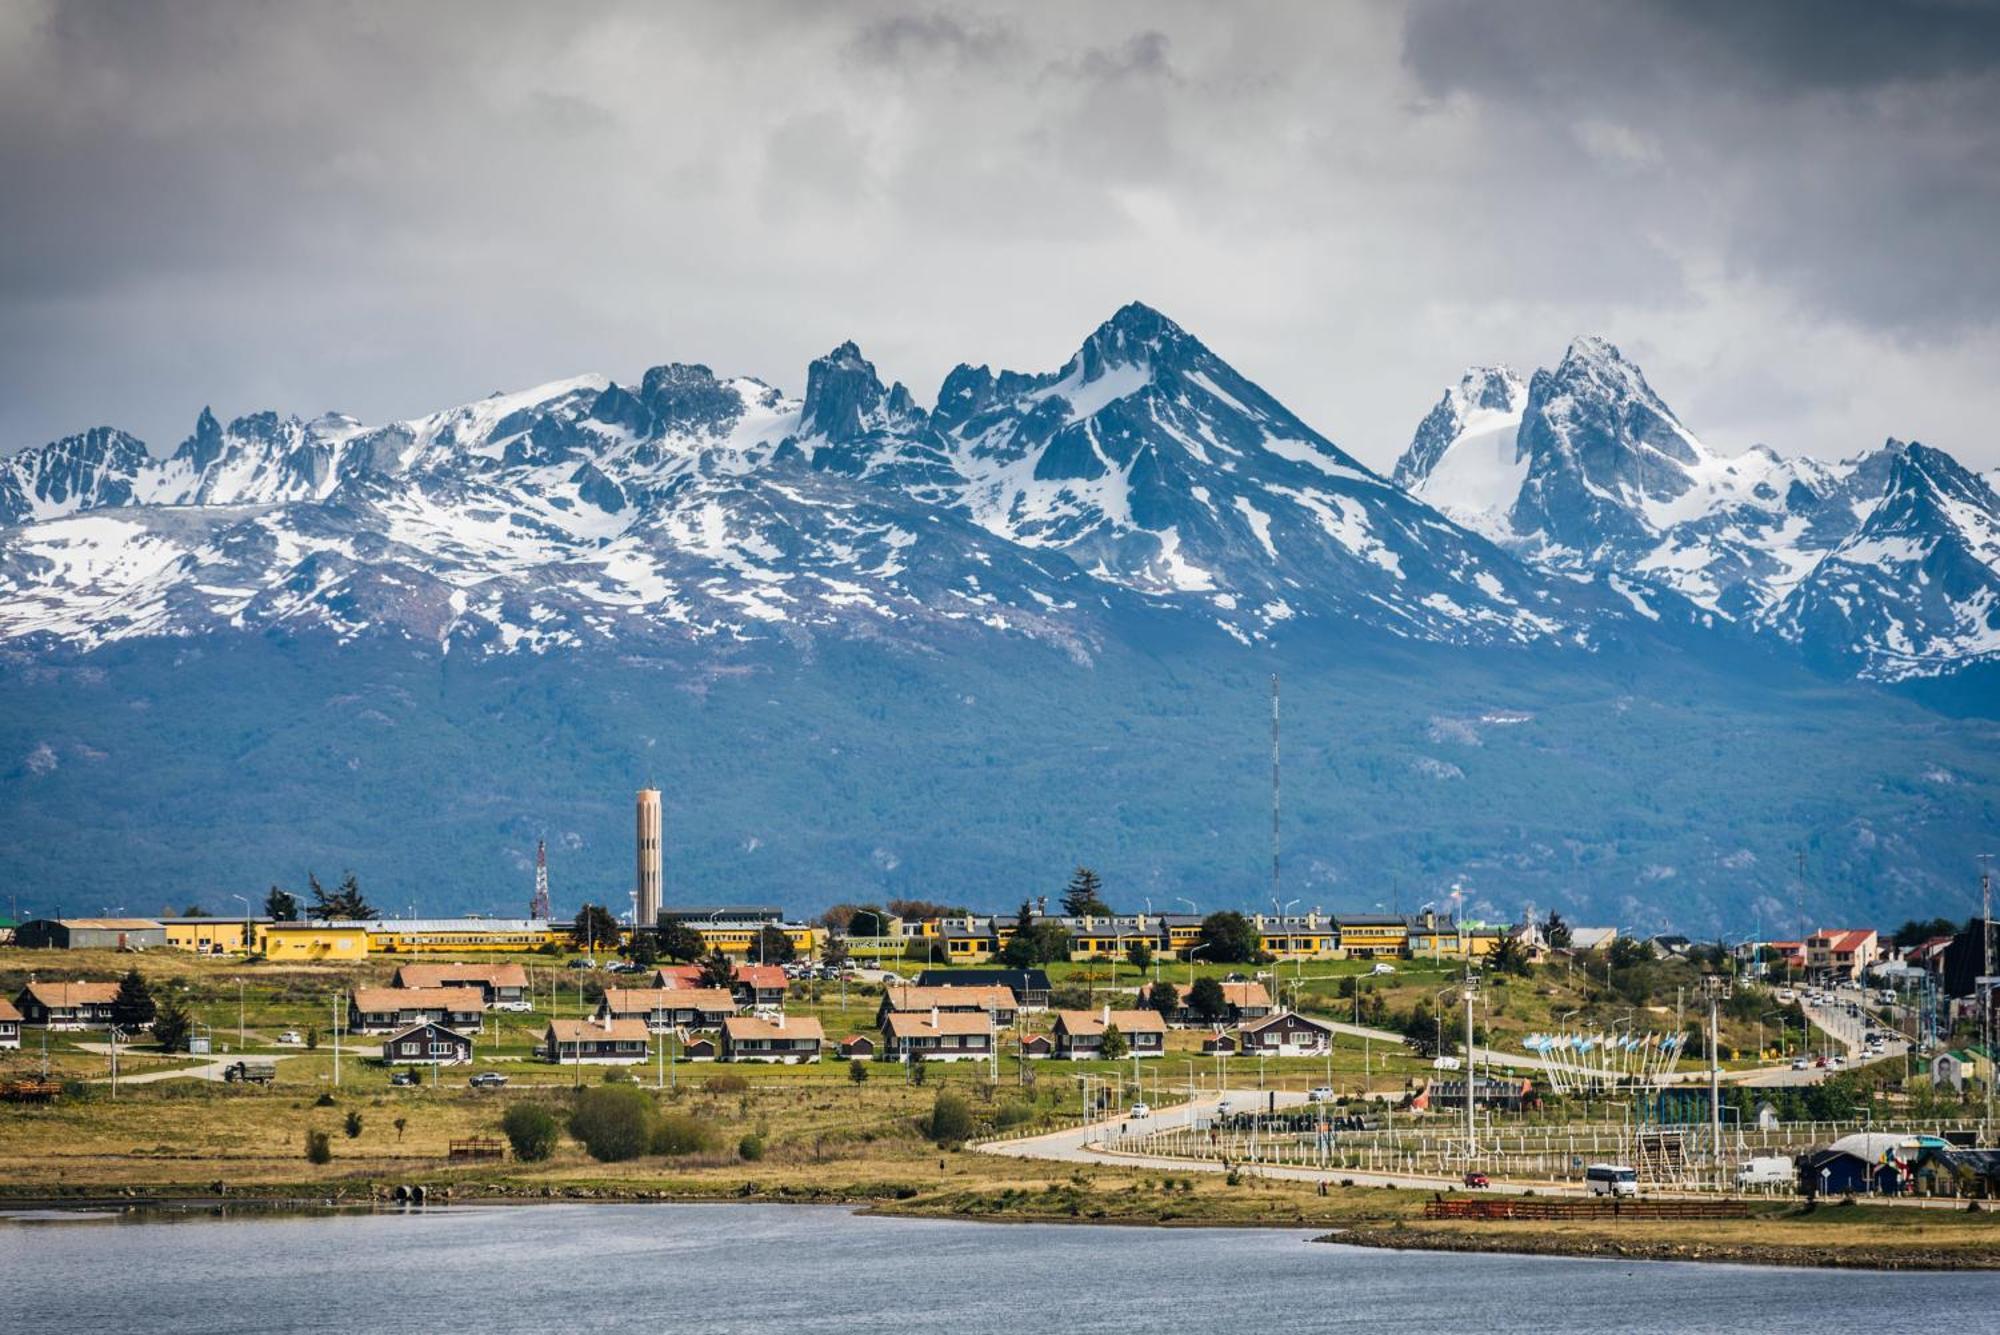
[(1765, 1170), (260, 1073)]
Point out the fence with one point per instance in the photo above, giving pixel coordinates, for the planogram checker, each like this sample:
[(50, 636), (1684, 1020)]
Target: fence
[(1473, 1208)]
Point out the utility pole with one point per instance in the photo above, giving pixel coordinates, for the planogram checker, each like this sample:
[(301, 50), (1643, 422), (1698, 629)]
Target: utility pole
[(1715, 987), (1274, 791), (336, 1040), (1985, 988), (1471, 991)]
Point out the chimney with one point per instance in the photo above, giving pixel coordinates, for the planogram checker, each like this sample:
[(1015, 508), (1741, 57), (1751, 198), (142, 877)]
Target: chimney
[(781, 1019), (934, 1017), (1107, 1012)]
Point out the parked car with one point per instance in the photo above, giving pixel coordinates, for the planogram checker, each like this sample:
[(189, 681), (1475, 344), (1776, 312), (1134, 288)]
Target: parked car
[(1800, 1064), (1382, 968), (585, 963), (403, 1078), (1140, 1110), (291, 1036), (1477, 1180), (487, 1080), (1320, 1094)]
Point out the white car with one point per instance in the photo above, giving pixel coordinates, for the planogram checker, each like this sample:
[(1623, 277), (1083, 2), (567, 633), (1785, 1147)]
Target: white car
[(1380, 969), (1800, 1064), (291, 1036), (1320, 1094), (1222, 1108), (1140, 1110)]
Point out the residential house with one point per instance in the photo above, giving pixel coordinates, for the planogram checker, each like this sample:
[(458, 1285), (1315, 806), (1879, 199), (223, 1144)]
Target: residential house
[(1218, 1043), (389, 1010), (760, 985), (747, 1038), (1959, 1067), (1037, 1046), (937, 1036), (1842, 953), (422, 1044), (857, 1047), (503, 986), (1241, 1001), (66, 1005), (10, 1025), (596, 1042), (678, 975), (997, 1002), (699, 1048), (664, 1008), (1029, 986), (1670, 945), (1592, 938), (1080, 1034), (1286, 1035)]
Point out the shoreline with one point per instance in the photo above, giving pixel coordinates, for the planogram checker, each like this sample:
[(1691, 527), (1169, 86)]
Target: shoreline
[(137, 1206)]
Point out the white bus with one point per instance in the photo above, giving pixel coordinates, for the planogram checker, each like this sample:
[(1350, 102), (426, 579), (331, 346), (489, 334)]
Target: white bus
[(1607, 1179)]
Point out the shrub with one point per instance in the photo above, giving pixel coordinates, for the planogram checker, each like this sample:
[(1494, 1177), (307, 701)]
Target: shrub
[(617, 1075), (319, 1147), (325, 1100), (725, 1083), (353, 1123), (532, 1131), (1013, 1114), (678, 1134), (951, 1118), (751, 1147), (613, 1122), (857, 1071)]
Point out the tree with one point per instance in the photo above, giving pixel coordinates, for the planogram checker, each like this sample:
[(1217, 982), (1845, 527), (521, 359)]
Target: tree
[(644, 950), (950, 1119), (868, 921), (1139, 955), (1627, 951), (532, 1131), (345, 904), (718, 970), (835, 954), (1508, 955), (1915, 932), (678, 942), (772, 946), (1083, 896), (1164, 998), (1045, 942), (594, 929), (1113, 1045), (924, 910), (857, 1071), (172, 1024), (1229, 938), (1205, 999), (281, 905), (1556, 932), (838, 917), (613, 1122), (133, 1008), (196, 911)]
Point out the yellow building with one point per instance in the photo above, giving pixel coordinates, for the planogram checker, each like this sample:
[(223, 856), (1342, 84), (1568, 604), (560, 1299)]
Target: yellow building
[(740, 938), (311, 941), (419, 936), (1368, 936), (209, 936), (1309, 938)]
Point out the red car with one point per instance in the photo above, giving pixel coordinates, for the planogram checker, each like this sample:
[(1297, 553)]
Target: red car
[(1477, 1180)]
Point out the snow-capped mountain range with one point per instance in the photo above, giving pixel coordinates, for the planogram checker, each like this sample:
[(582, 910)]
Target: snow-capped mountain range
[(1143, 477), (1885, 560)]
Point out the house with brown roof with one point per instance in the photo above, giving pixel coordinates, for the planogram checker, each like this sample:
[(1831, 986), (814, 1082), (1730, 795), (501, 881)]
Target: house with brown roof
[(389, 1010), (699, 1048), (677, 975), (664, 1008), (1287, 1035), (747, 1038), (66, 1005), (1842, 952), (1241, 1001), (856, 1047), (989, 1000), (937, 1036), (598, 1042), (503, 986), (423, 1044), (1037, 1046), (1079, 1035), (10, 1025), (760, 985)]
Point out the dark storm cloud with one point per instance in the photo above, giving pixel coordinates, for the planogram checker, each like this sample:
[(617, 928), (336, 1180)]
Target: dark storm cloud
[(1783, 210)]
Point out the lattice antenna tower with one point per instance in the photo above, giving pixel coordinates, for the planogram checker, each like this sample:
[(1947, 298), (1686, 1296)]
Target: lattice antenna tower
[(540, 908)]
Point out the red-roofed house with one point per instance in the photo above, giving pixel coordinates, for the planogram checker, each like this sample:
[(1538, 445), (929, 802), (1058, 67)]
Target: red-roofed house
[(1841, 952)]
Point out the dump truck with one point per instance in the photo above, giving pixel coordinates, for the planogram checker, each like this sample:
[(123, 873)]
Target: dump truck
[(261, 1073)]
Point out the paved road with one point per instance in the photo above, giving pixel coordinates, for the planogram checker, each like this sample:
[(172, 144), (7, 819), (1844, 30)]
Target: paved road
[(1528, 1061)]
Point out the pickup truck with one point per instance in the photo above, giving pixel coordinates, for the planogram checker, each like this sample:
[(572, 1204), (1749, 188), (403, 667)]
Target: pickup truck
[(261, 1073)]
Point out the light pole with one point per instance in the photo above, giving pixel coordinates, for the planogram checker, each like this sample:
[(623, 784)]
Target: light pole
[(244, 900), (1192, 952), (336, 1037), (1471, 993)]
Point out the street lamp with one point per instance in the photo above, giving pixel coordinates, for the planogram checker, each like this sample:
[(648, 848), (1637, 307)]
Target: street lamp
[(1717, 988), (244, 900)]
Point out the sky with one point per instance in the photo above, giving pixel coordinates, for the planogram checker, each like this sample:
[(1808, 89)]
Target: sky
[(1784, 212)]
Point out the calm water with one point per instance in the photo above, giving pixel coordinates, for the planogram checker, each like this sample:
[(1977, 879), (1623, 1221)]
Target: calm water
[(776, 1268)]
